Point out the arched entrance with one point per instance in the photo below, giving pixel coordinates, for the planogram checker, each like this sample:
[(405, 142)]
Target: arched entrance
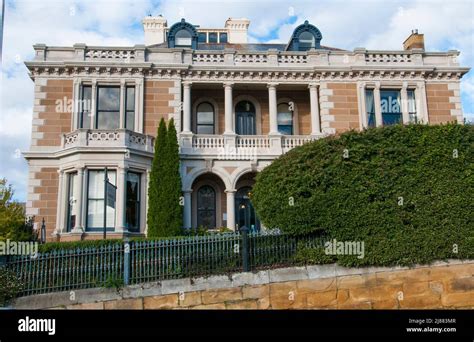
[(245, 214), (245, 117)]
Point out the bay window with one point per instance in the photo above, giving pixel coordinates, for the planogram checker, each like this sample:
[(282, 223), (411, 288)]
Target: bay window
[(85, 107), (130, 108)]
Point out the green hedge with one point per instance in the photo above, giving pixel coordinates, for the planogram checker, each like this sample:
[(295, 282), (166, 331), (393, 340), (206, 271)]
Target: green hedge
[(406, 191)]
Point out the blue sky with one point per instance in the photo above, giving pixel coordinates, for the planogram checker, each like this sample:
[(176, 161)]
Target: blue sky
[(344, 24)]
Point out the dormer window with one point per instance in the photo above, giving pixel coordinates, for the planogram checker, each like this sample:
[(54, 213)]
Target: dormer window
[(304, 38), (182, 34)]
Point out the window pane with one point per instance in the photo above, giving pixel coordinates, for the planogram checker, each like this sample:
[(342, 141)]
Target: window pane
[(205, 118), (223, 37), (204, 129), (108, 120), (286, 130), (306, 40), (72, 204), (130, 98), (212, 37), (412, 106), (85, 107), (95, 200), (183, 38), (285, 119), (391, 109), (133, 201), (130, 121), (202, 37), (109, 98), (370, 107)]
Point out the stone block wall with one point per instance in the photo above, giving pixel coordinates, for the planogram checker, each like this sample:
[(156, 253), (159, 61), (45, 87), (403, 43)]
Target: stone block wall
[(444, 285)]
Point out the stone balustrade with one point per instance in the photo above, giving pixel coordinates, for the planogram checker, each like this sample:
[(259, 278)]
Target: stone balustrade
[(121, 138), (230, 57)]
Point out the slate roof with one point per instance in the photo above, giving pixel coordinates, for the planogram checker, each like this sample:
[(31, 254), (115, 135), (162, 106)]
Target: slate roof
[(242, 47)]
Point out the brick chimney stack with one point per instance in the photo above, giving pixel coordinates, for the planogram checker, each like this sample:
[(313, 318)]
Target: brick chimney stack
[(414, 41)]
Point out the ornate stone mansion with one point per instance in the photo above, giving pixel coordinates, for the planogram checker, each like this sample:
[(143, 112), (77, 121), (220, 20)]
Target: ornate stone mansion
[(236, 105)]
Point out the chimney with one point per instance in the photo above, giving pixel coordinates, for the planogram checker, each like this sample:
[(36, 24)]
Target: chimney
[(237, 30), (155, 30), (414, 41)]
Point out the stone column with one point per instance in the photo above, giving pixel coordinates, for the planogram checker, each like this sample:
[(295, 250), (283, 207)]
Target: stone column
[(61, 204), (230, 208), (80, 199), (122, 105), (377, 104), (272, 106), (229, 120), (93, 104), (404, 103), (187, 209), (186, 107), (315, 118)]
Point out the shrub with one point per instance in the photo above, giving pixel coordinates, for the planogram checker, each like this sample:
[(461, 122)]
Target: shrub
[(10, 286), (406, 191)]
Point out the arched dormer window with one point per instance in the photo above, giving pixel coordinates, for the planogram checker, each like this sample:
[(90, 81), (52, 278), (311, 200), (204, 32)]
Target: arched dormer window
[(182, 34), (304, 38)]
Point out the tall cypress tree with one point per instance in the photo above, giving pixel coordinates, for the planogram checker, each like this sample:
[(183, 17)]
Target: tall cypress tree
[(173, 183), (155, 189)]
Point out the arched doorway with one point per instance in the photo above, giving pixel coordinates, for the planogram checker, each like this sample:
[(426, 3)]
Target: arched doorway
[(245, 117), (245, 214)]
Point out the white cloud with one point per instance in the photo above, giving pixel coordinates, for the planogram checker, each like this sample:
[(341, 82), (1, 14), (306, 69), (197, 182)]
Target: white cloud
[(344, 24)]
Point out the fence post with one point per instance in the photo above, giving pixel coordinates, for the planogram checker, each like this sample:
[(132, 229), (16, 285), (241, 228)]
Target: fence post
[(245, 248), (126, 262)]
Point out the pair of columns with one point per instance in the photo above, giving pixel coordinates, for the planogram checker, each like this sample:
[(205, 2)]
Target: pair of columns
[(230, 199), (272, 102)]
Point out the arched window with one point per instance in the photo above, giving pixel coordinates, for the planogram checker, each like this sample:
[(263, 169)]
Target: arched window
[(307, 41), (183, 38), (285, 119), (206, 207), (205, 119)]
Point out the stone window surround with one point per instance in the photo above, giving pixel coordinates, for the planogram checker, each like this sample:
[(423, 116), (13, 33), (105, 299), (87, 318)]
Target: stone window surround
[(81, 201), (214, 104), (420, 99), (122, 83)]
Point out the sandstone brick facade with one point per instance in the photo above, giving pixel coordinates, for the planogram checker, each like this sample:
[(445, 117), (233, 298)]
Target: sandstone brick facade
[(45, 196), (343, 111), (159, 102), (52, 112), (443, 102), (445, 285)]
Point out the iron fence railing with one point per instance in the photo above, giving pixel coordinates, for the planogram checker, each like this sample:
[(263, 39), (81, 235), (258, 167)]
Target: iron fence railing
[(141, 261)]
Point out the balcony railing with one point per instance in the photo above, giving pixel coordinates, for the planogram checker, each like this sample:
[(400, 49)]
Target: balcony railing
[(241, 146), (108, 138)]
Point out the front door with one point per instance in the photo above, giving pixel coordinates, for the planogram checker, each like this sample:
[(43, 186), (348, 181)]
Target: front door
[(245, 212), (245, 118)]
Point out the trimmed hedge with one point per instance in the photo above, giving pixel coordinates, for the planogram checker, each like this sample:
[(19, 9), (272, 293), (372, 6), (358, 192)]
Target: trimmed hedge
[(406, 191)]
